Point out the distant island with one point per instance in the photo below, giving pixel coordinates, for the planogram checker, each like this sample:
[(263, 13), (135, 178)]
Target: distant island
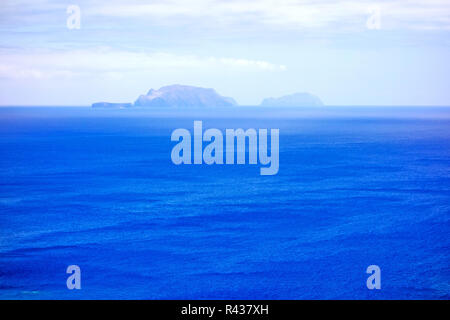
[(183, 96), (175, 96), (293, 100)]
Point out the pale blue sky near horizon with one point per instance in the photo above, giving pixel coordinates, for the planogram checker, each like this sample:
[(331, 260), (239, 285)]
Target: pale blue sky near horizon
[(248, 50)]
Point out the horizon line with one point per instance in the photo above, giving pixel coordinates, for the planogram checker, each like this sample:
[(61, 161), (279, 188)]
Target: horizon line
[(235, 106)]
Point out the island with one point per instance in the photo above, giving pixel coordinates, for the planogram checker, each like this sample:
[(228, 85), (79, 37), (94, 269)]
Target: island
[(183, 96), (301, 99)]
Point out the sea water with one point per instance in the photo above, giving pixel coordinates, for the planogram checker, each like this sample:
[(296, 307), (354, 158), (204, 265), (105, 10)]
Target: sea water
[(97, 189)]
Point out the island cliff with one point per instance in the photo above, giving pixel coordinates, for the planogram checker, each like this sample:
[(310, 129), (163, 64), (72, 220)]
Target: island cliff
[(183, 96)]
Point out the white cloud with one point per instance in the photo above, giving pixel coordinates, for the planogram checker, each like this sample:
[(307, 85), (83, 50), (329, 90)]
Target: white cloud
[(258, 64), (110, 63), (396, 14)]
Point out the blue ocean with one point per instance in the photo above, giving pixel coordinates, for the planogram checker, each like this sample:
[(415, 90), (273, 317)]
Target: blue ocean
[(97, 188)]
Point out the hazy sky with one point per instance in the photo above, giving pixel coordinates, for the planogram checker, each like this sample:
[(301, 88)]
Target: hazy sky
[(346, 52)]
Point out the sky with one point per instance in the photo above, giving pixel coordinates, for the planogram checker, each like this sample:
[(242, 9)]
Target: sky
[(352, 52)]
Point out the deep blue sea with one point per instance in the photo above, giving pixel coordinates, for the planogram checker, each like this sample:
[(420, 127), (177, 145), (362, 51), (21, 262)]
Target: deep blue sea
[(97, 188)]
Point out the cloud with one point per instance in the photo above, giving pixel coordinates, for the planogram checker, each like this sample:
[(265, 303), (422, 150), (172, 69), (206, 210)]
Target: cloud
[(112, 63), (396, 14), (233, 15), (245, 63)]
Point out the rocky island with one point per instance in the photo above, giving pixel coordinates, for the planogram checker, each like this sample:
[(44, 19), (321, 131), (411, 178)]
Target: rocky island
[(183, 96)]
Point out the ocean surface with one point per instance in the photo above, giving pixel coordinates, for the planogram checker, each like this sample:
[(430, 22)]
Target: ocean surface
[(97, 188)]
